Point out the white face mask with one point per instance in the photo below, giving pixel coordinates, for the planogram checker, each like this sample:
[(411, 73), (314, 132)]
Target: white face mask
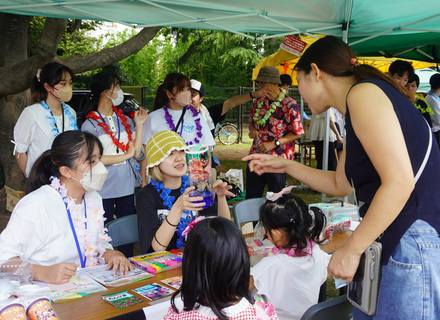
[(94, 178), (119, 98)]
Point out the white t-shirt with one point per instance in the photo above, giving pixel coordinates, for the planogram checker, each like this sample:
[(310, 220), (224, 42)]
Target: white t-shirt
[(317, 127), (33, 132), (207, 116), (39, 229), (291, 283), (156, 122)]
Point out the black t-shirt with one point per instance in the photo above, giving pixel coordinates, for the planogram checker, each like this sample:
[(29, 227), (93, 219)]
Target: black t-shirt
[(152, 212), (215, 112)]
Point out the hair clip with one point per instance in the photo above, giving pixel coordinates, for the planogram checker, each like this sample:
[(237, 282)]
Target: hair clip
[(275, 196), (292, 221), (355, 62), (38, 75), (192, 224)]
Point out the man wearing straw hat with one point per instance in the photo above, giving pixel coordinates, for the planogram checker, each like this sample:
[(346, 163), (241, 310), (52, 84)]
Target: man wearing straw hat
[(274, 125)]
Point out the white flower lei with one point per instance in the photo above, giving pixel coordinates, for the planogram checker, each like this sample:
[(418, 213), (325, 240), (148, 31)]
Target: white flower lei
[(93, 250)]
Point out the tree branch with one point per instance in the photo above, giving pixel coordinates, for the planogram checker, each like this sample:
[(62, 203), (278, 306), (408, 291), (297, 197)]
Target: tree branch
[(18, 77), (109, 56)]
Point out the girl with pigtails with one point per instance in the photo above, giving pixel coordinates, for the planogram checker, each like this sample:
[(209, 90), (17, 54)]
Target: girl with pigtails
[(47, 117), (296, 267)]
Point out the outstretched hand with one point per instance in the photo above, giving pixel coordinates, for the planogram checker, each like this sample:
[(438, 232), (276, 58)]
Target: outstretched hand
[(222, 189), (116, 259), (263, 163)]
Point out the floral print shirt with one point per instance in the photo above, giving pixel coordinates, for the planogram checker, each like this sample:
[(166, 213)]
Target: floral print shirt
[(285, 119)]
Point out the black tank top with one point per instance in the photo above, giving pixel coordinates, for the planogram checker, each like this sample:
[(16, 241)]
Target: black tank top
[(424, 202)]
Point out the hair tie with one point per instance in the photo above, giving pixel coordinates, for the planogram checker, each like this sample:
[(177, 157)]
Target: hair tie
[(38, 74), (355, 62), (275, 196)]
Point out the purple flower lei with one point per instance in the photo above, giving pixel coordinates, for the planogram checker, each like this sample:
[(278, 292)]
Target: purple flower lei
[(195, 113)]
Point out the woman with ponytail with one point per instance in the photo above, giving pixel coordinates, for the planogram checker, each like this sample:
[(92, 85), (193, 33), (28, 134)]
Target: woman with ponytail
[(122, 143), (47, 117), (390, 162), (59, 225)]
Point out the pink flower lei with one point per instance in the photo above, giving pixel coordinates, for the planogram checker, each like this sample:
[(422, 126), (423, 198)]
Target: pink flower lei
[(90, 246), (195, 113), (291, 252)]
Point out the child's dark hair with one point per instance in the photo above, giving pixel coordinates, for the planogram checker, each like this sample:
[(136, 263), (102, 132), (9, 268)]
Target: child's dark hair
[(171, 81), (415, 78), (67, 148), (215, 266), (434, 81), (52, 74), (99, 83), (286, 79), (334, 57), (290, 214), (400, 67)]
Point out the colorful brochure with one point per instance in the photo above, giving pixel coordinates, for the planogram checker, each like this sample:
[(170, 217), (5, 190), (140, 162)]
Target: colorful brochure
[(121, 300), (153, 291), (174, 282), (107, 278)]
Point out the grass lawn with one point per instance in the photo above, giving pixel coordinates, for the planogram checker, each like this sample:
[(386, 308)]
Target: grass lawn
[(230, 158)]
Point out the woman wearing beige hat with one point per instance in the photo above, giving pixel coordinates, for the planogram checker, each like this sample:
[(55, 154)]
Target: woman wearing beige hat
[(164, 206)]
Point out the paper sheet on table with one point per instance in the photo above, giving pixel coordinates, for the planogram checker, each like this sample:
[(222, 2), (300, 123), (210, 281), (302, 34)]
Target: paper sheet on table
[(158, 310), (354, 225)]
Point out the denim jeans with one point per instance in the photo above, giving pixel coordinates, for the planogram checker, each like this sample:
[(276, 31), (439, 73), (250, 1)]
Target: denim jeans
[(410, 282)]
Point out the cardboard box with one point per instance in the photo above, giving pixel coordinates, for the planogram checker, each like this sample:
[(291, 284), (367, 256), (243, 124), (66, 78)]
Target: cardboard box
[(13, 196)]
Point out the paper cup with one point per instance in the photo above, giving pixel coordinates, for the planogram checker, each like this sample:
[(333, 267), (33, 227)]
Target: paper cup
[(41, 309), (13, 311)]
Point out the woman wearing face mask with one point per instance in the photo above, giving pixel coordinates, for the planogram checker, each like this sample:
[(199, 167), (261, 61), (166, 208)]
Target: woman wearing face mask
[(47, 117), (173, 111), (59, 225), (122, 143)]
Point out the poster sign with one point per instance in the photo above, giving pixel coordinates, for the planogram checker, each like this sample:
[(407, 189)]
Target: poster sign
[(293, 45)]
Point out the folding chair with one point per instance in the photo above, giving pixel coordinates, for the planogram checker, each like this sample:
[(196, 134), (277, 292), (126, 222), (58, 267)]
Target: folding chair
[(123, 230), (247, 210), (336, 309)]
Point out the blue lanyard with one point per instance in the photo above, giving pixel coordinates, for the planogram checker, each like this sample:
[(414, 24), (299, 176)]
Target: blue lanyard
[(83, 261), (434, 96), (119, 128)]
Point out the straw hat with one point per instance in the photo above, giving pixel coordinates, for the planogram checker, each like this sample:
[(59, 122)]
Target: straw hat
[(160, 146), (269, 74)]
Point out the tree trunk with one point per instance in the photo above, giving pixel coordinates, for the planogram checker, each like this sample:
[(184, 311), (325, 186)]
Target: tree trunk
[(13, 41)]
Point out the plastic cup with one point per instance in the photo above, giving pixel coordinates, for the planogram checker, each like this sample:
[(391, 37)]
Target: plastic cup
[(41, 309), (198, 159), (12, 311)]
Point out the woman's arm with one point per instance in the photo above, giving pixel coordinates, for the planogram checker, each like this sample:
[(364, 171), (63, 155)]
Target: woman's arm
[(22, 159), (222, 190), (58, 273), (139, 120), (109, 160), (166, 230), (383, 141)]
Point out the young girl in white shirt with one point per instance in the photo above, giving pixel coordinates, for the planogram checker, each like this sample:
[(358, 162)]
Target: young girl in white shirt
[(215, 270), (59, 225), (47, 117), (292, 273)]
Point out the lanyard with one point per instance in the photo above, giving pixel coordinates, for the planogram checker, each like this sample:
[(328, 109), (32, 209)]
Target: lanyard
[(119, 128), (83, 261)]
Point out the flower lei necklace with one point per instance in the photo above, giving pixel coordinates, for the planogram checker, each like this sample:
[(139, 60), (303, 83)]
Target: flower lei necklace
[(428, 109), (271, 108), (52, 121), (291, 252), (168, 202), (93, 115), (195, 113), (90, 246)]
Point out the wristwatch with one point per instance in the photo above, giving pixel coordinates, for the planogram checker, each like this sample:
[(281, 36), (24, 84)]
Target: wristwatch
[(277, 143)]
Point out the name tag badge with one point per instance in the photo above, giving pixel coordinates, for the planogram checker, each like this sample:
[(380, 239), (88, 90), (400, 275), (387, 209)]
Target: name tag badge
[(189, 127)]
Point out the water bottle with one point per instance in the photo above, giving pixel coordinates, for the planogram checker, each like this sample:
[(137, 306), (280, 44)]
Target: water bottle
[(16, 270)]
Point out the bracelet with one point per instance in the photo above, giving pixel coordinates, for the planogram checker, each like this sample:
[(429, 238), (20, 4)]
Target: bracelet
[(250, 95), (173, 225), (159, 242)]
